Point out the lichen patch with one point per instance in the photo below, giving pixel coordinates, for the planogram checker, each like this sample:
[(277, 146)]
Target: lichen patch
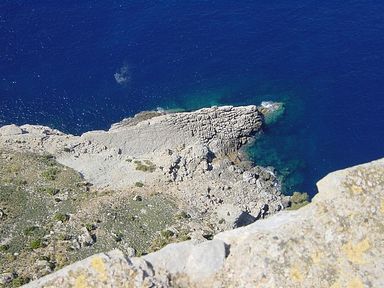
[(356, 252), (81, 282), (98, 264), (296, 274), (355, 283), (382, 206)]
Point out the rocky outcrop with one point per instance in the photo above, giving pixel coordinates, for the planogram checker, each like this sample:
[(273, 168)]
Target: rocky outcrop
[(192, 156), (336, 241)]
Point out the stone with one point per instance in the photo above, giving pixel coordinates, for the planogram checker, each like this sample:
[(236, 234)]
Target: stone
[(6, 278), (172, 258), (129, 251), (233, 217), (205, 260), (85, 239), (110, 269), (44, 267), (10, 130), (2, 214)]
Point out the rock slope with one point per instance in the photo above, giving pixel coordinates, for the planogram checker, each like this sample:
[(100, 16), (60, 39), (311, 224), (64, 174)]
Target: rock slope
[(149, 180), (192, 156), (336, 241)]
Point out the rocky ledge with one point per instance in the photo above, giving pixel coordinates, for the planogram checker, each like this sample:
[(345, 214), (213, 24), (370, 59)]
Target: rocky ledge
[(149, 180), (336, 241), (193, 156)]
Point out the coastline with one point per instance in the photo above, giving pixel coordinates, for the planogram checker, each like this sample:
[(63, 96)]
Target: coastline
[(187, 164)]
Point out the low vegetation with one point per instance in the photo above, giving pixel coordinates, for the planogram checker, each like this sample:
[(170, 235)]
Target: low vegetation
[(44, 208), (298, 200), (147, 166), (139, 184)]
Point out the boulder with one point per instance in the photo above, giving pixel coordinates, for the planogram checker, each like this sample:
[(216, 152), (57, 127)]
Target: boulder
[(232, 217), (85, 238), (10, 130)]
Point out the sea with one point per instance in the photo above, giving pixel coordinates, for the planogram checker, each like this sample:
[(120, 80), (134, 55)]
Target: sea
[(83, 65)]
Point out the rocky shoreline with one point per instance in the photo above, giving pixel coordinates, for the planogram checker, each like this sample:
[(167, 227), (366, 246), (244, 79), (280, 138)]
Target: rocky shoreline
[(166, 191), (191, 161), (196, 155)]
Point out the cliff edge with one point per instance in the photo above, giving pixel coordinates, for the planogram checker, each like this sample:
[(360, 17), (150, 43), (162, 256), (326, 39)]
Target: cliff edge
[(150, 180), (336, 241)]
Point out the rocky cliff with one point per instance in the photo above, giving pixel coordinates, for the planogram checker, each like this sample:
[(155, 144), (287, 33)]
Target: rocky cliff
[(148, 181), (336, 241)]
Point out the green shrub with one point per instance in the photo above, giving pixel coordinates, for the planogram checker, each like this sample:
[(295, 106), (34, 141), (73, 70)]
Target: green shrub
[(49, 190), (61, 217), (20, 182), (158, 243), (182, 235), (139, 184), (147, 167), (48, 160), (298, 200), (35, 244), (90, 227), (165, 238), (167, 233), (51, 173), (19, 281), (118, 236), (183, 215), (4, 248), (29, 231)]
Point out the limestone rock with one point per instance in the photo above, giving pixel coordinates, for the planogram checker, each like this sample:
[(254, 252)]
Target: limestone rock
[(185, 155), (110, 269), (10, 130), (232, 217), (205, 260), (6, 278), (335, 241), (85, 239)]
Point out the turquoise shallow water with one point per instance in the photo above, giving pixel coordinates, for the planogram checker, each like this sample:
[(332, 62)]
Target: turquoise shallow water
[(282, 142)]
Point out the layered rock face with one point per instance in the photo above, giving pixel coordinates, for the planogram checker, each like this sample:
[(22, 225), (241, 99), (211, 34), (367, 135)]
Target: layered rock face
[(336, 241), (193, 156)]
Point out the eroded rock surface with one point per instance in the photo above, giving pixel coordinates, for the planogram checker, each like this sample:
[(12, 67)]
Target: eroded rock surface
[(148, 181), (192, 156), (336, 241)]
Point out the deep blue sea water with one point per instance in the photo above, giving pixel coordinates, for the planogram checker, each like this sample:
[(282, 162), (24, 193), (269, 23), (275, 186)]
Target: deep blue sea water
[(324, 59)]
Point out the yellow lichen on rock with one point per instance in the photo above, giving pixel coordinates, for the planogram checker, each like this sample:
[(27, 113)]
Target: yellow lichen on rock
[(81, 282), (336, 285), (355, 283), (356, 189), (98, 264), (382, 206), (296, 274), (355, 253), (317, 256)]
